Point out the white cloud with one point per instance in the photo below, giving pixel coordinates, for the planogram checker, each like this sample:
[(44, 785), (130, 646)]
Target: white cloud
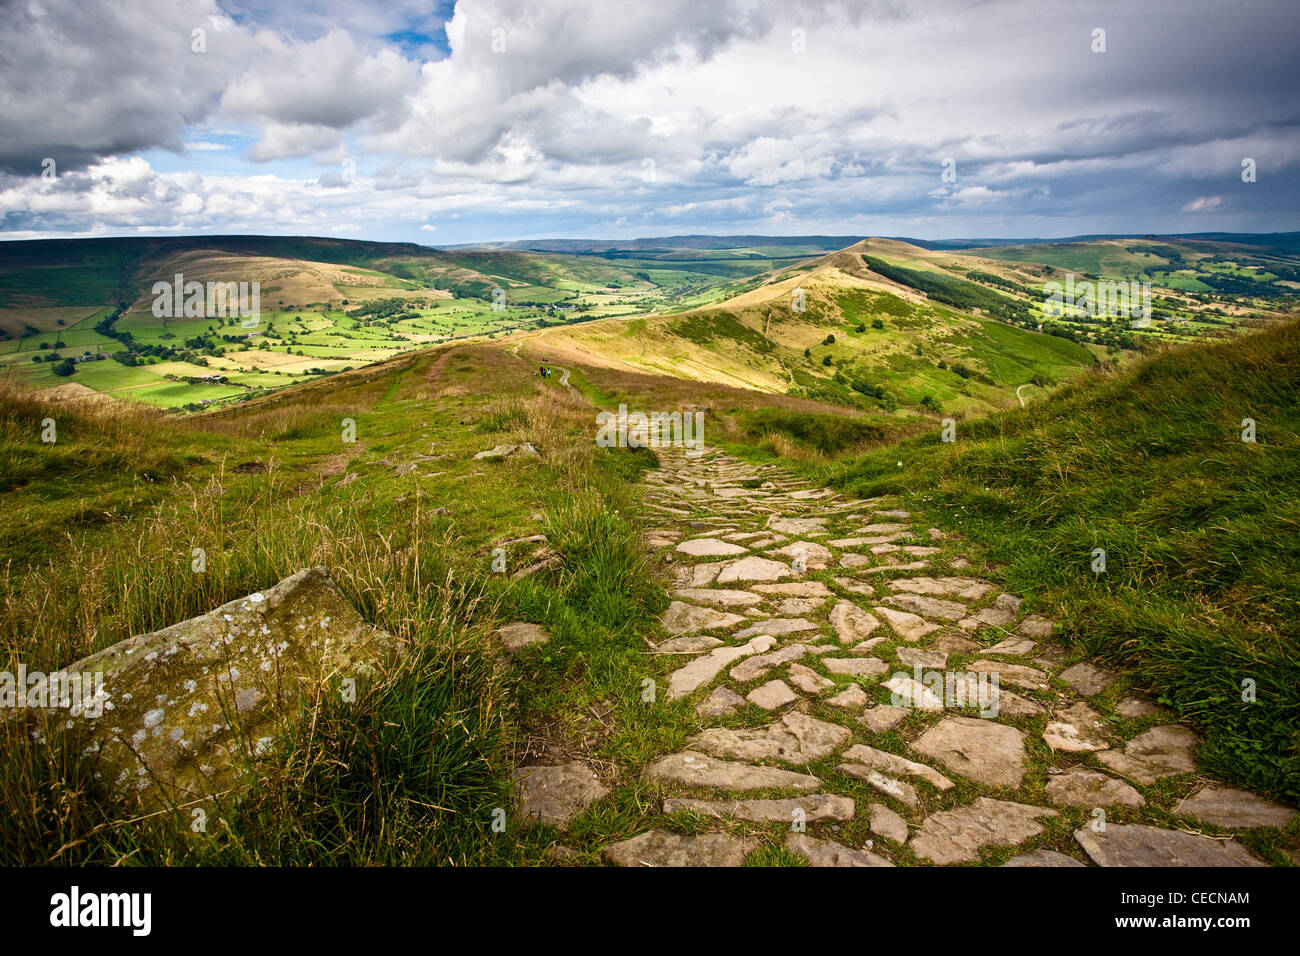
[(558, 125)]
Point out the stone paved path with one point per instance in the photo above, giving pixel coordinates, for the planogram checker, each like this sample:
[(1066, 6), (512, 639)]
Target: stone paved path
[(828, 646)]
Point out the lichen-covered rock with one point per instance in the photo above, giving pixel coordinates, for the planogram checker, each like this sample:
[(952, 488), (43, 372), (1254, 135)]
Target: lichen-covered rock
[(188, 709)]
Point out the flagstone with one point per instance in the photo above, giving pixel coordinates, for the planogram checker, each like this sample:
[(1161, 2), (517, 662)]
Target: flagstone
[(851, 622), (661, 848), (773, 694), (724, 596), (1089, 679), (1164, 751), (753, 568), (683, 618), (758, 666), (856, 666), (1233, 809), (795, 738), (703, 669), (814, 808), (829, 853), (906, 625), (720, 703), (1138, 845), (927, 606), (957, 836), (983, 750), (691, 769), (709, 548), (1078, 787), (808, 680)]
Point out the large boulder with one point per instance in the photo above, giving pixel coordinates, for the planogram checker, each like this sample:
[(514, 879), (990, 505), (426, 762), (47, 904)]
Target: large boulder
[(184, 712)]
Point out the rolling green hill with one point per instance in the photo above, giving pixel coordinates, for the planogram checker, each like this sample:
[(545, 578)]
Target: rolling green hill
[(82, 310), (1201, 530)]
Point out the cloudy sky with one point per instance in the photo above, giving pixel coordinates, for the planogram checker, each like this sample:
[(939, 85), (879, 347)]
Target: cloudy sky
[(506, 119)]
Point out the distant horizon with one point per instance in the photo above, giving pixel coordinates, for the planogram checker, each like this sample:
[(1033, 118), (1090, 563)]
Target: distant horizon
[(850, 237)]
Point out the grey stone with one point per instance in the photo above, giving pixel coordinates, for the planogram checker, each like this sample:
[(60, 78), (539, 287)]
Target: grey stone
[(509, 451), (759, 666), (797, 607), (856, 666), (808, 680), (1085, 788), (883, 717), (795, 738), (555, 794), (815, 808), (903, 792), (1018, 675), (1001, 613), (852, 697), (661, 848), (778, 627), (908, 626), (865, 648), (1088, 679), (682, 618), (1043, 858), (953, 643), (928, 606), (1014, 646), (900, 766), (856, 587), (851, 622), (1164, 751), (1076, 729), (1136, 845), (909, 693), (995, 702), (709, 548), (1234, 809), (724, 596), (828, 853), (720, 703), (687, 644), (795, 589), (888, 824), (956, 836), (1035, 625), (796, 525), (809, 554), (1138, 706), (184, 712), (884, 527), (519, 635), (983, 750), (753, 568), (968, 589), (773, 694), (697, 575), (703, 669), (921, 657), (690, 769)]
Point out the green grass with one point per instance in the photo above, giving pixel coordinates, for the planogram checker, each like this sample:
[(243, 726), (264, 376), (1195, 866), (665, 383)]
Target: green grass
[(412, 772), (1201, 530)]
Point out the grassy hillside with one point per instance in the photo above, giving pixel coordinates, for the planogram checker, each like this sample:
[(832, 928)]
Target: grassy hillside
[(82, 310), (103, 523), (838, 330), (1201, 529)]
